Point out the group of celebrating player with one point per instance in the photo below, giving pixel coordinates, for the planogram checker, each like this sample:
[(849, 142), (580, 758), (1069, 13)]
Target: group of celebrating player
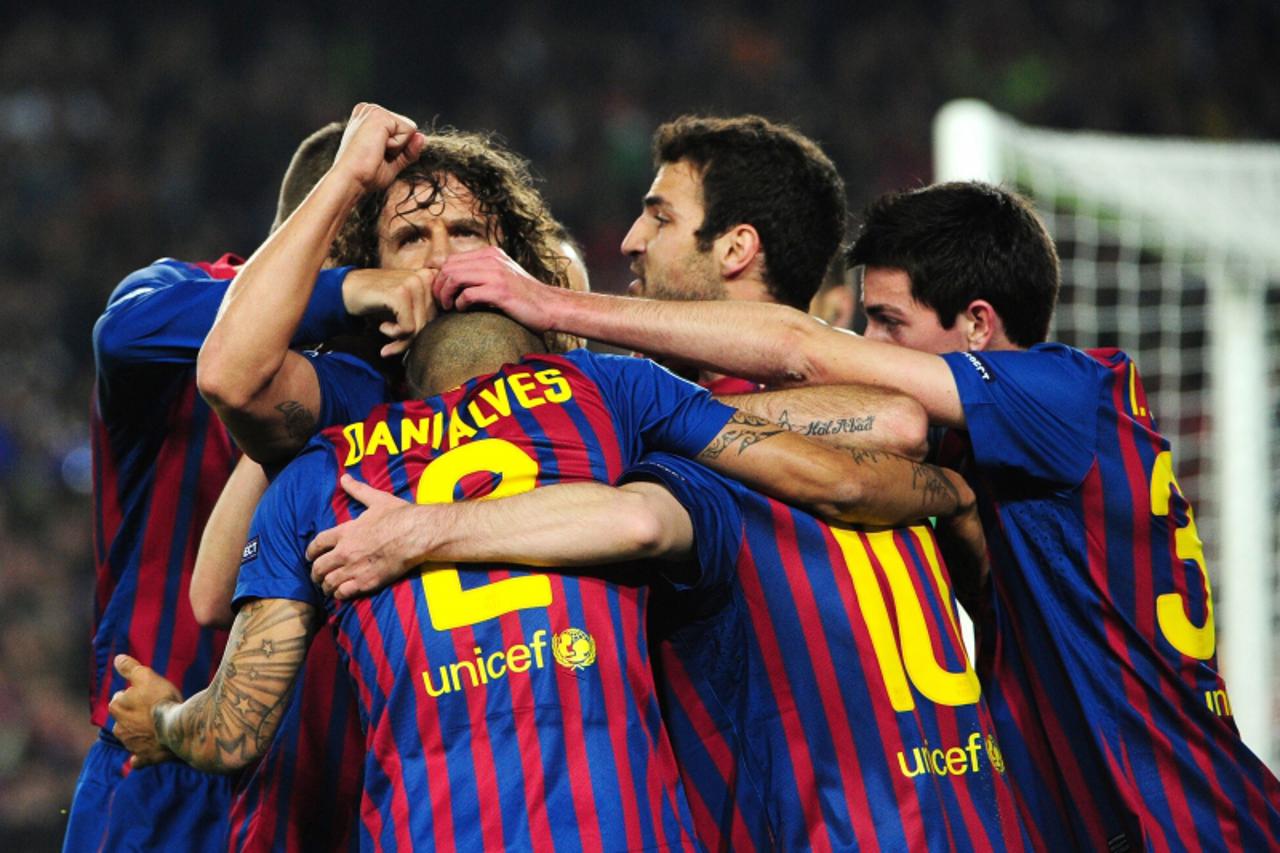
[(576, 602)]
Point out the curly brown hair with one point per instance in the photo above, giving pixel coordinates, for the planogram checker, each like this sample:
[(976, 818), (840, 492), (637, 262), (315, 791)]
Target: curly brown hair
[(500, 181)]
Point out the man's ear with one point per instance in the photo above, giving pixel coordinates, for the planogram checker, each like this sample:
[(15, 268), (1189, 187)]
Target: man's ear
[(983, 327), (737, 249)]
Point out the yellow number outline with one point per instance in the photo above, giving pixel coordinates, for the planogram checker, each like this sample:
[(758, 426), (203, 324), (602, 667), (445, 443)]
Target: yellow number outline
[(908, 659), (1195, 641), (448, 604)]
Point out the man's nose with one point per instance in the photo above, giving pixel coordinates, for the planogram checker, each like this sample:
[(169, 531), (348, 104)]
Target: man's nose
[(634, 242)]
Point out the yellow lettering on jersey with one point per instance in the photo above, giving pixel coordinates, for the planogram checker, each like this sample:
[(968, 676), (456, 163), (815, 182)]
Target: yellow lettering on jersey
[(381, 438), (498, 398), (876, 615), (1217, 702), (458, 430), (413, 433), (956, 761), (437, 430), (354, 434), (1191, 640), (521, 384), (558, 390), (1139, 411), (459, 675), (929, 677), (449, 605), (480, 420)]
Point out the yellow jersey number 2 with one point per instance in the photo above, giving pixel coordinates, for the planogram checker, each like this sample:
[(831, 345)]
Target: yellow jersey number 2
[(449, 605)]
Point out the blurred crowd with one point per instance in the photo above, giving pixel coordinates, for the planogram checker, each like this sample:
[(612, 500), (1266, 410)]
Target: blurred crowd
[(126, 135)]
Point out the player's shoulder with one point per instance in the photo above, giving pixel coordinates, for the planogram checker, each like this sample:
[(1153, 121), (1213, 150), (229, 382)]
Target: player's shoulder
[(1045, 366), (166, 271), (308, 479)]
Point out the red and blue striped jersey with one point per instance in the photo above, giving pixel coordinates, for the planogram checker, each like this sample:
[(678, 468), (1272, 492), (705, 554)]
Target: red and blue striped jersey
[(160, 460), (1098, 648), (815, 686), (302, 795), (504, 708)]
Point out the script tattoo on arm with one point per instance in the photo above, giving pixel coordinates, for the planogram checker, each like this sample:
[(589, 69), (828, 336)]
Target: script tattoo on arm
[(231, 722), (929, 481), (743, 430), (832, 426), (299, 421), (938, 495)]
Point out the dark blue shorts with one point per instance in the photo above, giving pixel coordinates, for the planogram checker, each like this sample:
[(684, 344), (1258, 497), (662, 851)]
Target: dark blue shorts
[(167, 806)]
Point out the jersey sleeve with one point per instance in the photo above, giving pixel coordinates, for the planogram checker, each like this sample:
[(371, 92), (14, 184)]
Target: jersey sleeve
[(1032, 411), (349, 388), (162, 314), (668, 413), (291, 512), (713, 507)]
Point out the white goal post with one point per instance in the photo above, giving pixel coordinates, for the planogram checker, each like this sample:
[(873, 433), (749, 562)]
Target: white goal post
[(1171, 251)]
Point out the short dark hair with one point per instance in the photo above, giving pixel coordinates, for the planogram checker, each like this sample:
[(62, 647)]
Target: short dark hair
[(312, 159), (962, 241), (769, 176)]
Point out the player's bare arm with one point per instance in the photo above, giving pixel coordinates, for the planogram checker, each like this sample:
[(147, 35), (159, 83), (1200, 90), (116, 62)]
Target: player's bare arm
[(213, 578), (266, 394), (229, 724), (565, 525), (844, 416), (857, 486), (787, 347)]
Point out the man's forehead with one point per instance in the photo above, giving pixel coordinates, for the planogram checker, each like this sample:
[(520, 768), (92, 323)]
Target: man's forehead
[(448, 197), (677, 184), (886, 287)]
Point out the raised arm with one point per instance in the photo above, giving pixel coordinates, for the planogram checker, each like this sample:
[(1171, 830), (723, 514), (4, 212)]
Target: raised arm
[(267, 395), (213, 578), (566, 526), (229, 724), (844, 416), (772, 344)]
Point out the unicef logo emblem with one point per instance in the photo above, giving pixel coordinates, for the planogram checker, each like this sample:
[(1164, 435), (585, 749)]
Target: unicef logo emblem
[(574, 649), (993, 754)]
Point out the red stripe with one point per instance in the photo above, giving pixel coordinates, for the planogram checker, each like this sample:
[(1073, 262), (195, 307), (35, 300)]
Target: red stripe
[(595, 606), (774, 660), (216, 463), (947, 645), (916, 815), (162, 511), (527, 737), (835, 712), (106, 490), (1175, 686), (722, 756), (1144, 600), (382, 740), (579, 769), (489, 803)]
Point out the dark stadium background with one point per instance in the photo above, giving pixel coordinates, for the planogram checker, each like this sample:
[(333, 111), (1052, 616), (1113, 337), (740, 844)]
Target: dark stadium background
[(149, 130)]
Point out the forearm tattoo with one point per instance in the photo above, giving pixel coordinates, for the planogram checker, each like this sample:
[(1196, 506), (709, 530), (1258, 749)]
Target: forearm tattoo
[(743, 430), (938, 495), (233, 719), (299, 421), (834, 426)]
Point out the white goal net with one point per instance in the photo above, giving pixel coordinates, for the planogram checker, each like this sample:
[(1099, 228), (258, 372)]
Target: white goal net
[(1170, 250)]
